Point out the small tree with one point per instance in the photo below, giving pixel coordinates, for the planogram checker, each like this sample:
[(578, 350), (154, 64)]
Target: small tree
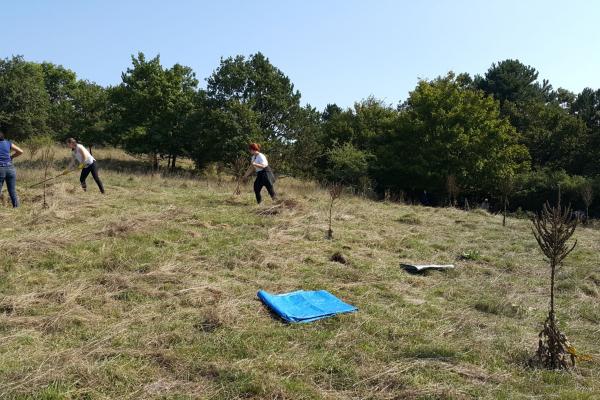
[(46, 159), (587, 195), (552, 229), (335, 192), (506, 188), (238, 168), (34, 144), (453, 189)]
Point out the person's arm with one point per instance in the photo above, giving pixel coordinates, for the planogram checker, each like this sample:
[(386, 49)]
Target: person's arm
[(17, 150)]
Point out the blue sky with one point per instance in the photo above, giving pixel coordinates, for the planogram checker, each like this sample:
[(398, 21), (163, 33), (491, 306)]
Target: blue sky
[(333, 50)]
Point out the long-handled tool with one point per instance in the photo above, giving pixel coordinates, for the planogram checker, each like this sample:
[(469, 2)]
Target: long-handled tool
[(65, 172)]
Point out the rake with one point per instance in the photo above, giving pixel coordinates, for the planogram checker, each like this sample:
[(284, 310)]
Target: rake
[(65, 172)]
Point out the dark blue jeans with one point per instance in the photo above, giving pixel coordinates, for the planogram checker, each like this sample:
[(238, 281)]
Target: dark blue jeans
[(9, 175)]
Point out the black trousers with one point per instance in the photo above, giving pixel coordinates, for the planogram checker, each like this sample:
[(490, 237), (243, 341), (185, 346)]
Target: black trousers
[(93, 168), (264, 179)]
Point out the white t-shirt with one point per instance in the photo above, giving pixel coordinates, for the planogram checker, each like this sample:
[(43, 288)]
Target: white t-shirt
[(83, 155), (260, 158)]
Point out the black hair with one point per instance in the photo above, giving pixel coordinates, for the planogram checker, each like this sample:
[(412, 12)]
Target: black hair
[(3, 131)]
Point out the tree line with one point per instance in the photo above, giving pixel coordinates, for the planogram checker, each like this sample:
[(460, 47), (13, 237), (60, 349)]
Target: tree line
[(504, 135)]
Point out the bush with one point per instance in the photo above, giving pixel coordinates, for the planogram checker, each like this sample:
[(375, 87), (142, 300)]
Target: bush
[(538, 186), (348, 165), (35, 143)]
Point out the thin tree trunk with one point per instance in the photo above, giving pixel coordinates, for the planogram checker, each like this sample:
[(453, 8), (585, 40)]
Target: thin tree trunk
[(154, 162), (553, 345), (45, 204), (587, 214), (504, 212), (330, 231), (173, 161), (552, 273)]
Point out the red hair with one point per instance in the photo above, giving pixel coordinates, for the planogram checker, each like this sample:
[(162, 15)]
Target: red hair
[(254, 146)]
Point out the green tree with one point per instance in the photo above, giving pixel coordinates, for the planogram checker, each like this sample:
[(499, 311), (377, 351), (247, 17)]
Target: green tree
[(555, 138), (347, 165), (330, 111), (261, 86), (24, 102), (60, 84), (300, 154), (219, 133), (511, 80), (152, 105), (90, 114), (446, 129), (586, 106)]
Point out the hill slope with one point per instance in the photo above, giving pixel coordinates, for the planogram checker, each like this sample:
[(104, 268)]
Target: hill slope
[(150, 292)]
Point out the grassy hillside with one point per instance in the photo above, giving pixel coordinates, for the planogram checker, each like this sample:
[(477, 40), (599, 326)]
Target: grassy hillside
[(150, 292)]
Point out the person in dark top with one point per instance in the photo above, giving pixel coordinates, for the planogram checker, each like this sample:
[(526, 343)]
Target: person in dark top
[(7, 169)]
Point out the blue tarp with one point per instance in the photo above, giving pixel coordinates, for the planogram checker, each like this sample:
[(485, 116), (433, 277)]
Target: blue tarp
[(304, 306)]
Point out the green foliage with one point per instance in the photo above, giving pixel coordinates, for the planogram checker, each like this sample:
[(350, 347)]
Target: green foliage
[(301, 154), (483, 131), (555, 138), (152, 105), (220, 133), (446, 129), (60, 84), (36, 143), (537, 186), (347, 164), (90, 115), (258, 84), (586, 106), (24, 102), (511, 80)]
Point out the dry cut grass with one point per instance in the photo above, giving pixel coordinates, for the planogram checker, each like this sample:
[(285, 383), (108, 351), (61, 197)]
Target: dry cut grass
[(150, 292)]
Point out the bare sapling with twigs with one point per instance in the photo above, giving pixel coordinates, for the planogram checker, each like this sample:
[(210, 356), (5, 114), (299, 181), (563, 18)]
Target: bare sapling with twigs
[(47, 160), (453, 190), (335, 192), (34, 145), (506, 188), (587, 195), (553, 228), (238, 168)]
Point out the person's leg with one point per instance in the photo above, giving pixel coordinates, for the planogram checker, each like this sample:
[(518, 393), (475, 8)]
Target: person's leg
[(84, 174), (2, 178), (270, 187), (96, 177), (11, 184), (258, 185)]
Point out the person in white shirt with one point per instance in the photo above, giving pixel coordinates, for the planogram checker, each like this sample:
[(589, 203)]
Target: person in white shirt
[(264, 173), (86, 162)]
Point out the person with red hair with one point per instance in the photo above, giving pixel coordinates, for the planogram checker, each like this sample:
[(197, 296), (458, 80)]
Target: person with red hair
[(264, 173)]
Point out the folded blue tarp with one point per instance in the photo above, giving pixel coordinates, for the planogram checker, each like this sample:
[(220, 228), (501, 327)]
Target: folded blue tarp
[(304, 306)]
